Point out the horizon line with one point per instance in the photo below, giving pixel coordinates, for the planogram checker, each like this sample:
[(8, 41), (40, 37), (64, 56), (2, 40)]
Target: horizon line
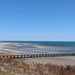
[(34, 41)]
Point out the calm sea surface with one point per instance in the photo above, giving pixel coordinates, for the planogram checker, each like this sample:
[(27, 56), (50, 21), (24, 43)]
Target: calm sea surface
[(29, 47)]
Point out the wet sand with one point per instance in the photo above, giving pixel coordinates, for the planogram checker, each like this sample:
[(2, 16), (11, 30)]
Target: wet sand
[(8, 53)]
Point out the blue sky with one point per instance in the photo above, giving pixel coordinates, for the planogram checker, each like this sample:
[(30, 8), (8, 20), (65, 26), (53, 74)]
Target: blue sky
[(37, 20)]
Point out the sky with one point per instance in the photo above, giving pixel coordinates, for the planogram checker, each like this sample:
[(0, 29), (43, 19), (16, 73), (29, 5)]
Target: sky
[(37, 20)]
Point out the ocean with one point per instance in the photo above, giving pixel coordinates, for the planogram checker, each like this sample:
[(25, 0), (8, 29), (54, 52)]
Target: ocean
[(31, 47)]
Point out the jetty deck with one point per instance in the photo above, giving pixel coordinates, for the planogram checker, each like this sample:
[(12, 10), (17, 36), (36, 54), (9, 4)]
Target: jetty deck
[(37, 55)]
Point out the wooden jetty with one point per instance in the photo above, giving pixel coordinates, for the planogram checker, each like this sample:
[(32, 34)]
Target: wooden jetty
[(37, 55)]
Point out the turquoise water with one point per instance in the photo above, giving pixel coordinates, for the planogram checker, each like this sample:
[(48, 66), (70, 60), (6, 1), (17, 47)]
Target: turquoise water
[(27, 47)]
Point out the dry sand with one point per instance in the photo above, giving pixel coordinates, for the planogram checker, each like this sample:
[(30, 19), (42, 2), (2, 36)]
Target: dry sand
[(69, 60)]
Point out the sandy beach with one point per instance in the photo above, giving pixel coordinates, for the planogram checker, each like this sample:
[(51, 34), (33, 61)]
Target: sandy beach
[(8, 53), (65, 60), (16, 48), (5, 51)]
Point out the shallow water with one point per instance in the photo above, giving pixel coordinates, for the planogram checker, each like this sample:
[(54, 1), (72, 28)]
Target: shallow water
[(30, 47)]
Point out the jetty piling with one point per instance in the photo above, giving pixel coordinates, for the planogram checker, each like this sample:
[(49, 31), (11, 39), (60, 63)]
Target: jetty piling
[(37, 55)]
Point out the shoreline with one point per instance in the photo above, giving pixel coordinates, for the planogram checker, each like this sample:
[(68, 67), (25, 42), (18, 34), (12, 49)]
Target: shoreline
[(8, 52)]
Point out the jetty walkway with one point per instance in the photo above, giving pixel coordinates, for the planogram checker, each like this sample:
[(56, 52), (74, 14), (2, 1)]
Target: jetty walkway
[(37, 55)]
